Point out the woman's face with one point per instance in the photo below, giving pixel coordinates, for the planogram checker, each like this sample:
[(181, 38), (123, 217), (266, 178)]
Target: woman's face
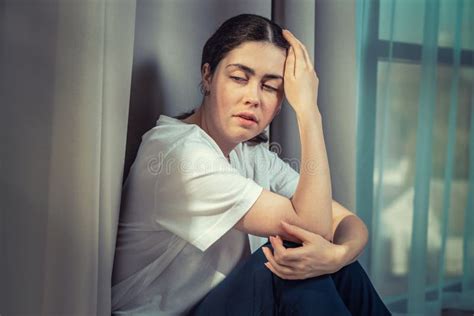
[(247, 82)]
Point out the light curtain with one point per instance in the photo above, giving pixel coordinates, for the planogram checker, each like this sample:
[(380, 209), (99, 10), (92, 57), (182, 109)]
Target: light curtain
[(65, 89), (415, 154)]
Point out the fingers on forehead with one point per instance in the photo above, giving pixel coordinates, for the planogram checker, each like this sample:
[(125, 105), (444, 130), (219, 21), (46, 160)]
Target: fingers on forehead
[(305, 53), (298, 47), (303, 48), (308, 58), (292, 39)]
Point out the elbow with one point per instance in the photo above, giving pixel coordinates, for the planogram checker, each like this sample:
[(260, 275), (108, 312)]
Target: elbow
[(365, 234), (362, 232)]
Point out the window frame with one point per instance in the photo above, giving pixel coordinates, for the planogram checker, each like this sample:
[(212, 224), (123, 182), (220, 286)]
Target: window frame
[(401, 52)]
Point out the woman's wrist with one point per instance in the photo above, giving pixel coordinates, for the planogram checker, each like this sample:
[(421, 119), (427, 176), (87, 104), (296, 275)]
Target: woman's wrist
[(307, 110)]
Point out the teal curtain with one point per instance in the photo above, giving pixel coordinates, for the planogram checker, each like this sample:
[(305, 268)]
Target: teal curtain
[(415, 151)]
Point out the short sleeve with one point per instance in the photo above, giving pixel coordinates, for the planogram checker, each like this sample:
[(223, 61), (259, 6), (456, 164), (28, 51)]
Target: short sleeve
[(282, 177), (199, 196)]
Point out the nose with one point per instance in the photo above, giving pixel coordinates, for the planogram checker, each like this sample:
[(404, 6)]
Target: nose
[(252, 95)]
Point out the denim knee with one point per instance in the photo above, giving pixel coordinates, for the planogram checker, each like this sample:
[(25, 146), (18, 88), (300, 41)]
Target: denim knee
[(353, 272)]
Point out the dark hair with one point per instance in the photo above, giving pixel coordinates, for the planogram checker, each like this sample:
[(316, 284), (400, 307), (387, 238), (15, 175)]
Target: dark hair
[(233, 32)]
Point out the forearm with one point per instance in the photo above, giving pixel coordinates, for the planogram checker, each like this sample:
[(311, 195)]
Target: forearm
[(351, 236), (312, 199)]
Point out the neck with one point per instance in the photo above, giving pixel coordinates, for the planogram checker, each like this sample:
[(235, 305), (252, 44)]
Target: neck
[(201, 119)]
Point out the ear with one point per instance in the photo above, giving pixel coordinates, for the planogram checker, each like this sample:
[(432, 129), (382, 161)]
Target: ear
[(206, 76)]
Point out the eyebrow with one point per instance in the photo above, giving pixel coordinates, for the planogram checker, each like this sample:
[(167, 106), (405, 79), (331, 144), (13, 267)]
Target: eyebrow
[(251, 71)]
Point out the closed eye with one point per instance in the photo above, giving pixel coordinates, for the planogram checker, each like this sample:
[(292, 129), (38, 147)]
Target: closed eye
[(244, 80), (238, 79), (270, 88)]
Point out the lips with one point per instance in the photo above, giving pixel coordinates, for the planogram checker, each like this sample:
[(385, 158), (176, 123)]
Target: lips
[(247, 116)]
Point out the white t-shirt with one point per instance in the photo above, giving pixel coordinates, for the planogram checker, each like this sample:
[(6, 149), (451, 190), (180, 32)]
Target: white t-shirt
[(176, 239)]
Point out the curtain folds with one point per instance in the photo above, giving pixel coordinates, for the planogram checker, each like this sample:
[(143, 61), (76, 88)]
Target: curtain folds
[(65, 98), (414, 173)]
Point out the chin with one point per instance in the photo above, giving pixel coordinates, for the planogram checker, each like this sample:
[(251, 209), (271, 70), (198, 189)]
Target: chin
[(242, 138), (249, 138)]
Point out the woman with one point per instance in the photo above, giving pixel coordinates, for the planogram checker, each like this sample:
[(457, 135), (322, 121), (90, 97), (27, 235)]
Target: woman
[(202, 182)]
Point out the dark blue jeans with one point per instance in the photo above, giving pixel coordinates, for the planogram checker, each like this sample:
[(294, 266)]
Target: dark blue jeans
[(252, 289)]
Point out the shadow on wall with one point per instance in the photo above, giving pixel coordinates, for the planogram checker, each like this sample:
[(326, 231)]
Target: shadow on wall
[(146, 105)]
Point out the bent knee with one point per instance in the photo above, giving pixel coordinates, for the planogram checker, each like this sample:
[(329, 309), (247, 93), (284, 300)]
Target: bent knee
[(354, 268), (353, 273), (311, 301)]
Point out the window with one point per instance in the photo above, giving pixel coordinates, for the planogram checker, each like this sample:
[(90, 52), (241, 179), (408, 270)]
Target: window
[(397, 74)]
